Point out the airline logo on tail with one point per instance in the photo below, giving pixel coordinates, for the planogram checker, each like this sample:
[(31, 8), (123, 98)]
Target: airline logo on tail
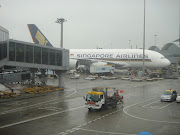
[(37, 36), (41, 38)]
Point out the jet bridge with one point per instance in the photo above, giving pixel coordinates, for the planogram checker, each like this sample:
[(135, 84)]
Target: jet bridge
[(19, 54)]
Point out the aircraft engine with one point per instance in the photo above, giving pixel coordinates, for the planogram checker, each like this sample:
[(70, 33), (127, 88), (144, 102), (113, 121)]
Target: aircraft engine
[(73, 64), (99, 64)]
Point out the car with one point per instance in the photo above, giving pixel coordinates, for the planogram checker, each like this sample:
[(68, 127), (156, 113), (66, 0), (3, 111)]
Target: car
[(169, 95), (178, 98), (76, 76), (90, 78)]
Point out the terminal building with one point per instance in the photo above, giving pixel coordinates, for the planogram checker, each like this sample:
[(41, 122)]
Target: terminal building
[(18, 55), (171, 51)]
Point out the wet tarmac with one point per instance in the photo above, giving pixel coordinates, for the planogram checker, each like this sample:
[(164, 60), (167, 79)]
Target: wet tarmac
[(63, 112)]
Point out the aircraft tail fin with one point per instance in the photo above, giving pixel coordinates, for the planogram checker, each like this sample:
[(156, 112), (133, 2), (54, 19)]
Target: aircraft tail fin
[(37, 36)]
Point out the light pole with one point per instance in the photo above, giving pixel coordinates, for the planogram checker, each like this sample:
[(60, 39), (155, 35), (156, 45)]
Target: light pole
[(61, 21), (143, 68), (155, 39), (129, 44), (179, 24)]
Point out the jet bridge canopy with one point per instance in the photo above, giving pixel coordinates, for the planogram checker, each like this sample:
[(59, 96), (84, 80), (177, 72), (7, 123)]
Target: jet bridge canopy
[(22, 54), (18, 55)]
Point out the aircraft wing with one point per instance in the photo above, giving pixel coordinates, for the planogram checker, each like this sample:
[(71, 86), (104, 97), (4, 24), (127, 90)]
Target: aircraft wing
[(116, 63), (85, 61)]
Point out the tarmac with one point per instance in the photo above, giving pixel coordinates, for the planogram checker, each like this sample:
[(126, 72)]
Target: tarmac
[(63, 112)]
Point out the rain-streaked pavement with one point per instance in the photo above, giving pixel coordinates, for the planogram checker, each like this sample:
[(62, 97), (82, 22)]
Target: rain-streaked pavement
[(63, 112)]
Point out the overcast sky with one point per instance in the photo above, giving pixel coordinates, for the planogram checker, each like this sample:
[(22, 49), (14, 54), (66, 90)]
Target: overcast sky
[(93, 23)]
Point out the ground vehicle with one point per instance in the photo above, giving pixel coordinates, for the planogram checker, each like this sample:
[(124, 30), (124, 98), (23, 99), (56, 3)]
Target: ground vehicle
[(101, 69), (169, 95), (155, 75), (178, 98), (90, 78), (101, 97), (76, 76)]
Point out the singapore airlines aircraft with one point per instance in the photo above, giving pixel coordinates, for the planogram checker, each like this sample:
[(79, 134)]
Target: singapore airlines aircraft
[(122, 58)]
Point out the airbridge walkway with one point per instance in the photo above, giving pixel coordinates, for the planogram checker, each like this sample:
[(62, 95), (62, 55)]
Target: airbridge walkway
[(23, 55)]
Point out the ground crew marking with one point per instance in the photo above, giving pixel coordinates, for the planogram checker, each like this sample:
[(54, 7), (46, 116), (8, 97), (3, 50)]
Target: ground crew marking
[(34, 105), (79, 127), (40, 117), (124, 110)]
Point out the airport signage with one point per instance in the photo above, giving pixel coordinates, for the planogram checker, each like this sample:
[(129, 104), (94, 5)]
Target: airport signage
[(117, 56)]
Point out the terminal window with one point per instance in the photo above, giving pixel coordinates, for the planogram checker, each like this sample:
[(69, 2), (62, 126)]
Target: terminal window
[(52, 57), (11, 51), (29, 54), (3, 50), (45, 56), (20, 52), (59, 57), (37, 55)]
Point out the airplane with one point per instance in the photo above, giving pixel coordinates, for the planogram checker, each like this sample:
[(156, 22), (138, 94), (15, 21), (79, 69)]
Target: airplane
[(121, 58), (37, 36)]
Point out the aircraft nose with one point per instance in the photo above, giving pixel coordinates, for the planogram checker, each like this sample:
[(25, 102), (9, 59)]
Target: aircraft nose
[(167, 62)]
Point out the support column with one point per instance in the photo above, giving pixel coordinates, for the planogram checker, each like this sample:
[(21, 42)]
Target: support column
[(43, 77), (60, 75), (33, 71)]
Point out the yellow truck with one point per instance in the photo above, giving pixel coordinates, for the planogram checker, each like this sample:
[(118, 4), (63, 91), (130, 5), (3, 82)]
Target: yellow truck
[(101, 97)]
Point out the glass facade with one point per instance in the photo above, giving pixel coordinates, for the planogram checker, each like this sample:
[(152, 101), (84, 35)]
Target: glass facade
[(37, 55), (29, 54), (23, 54), (45, 56), (12, 51), (52, 56), (20, 52), (3, 50), (59, 57)]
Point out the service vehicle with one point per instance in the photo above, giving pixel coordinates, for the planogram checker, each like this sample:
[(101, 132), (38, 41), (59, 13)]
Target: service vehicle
[(90, 78), (178, 98), (108, 77), (169, 95), (101, 69), (101, 97), (76, 76)]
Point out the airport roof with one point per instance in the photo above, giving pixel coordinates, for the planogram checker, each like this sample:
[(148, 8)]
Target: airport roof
[(154, 48), (177, 40), (168, 45), (170, 50)]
